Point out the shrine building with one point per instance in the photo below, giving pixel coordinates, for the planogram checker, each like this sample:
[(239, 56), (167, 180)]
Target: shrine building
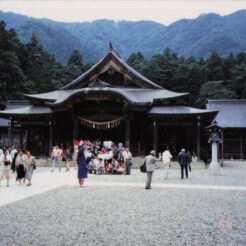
[(110, 101)]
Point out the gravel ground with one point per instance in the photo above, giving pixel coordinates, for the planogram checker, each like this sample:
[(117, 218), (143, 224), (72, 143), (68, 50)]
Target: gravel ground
[(125, 216), (233, 174)]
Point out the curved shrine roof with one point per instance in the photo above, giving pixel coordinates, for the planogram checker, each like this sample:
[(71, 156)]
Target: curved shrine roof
[(24, 108), (179, 111), (232, 113), (133, 96)]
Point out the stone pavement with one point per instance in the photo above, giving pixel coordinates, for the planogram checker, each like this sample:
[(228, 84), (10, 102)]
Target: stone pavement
[(233, 179), (115, 210)]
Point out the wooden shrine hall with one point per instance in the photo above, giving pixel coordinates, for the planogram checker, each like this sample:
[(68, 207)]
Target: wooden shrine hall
[(110, 101)]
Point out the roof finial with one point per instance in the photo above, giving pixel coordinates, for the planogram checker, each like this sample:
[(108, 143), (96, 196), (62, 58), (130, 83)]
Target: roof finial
[(110, 49)]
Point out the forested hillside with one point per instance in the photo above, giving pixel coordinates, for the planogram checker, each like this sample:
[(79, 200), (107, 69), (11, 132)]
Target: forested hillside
[(197, 37), (29, 68)]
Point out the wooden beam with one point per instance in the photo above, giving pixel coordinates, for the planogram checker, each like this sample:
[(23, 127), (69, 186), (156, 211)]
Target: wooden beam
[(176, 123)]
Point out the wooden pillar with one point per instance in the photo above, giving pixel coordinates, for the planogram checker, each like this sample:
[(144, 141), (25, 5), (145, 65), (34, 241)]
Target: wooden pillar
[(155, 138), (50, 136), (139, 147), (28, 136), (75, 128), (173, 140), (21, 137), (241, 146), (198, 138), (222, 148), (11, 132), (58, 139), (128, 133)]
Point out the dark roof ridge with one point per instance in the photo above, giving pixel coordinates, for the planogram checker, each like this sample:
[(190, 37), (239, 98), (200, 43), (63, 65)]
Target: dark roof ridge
[(226, 101), (112, 55)]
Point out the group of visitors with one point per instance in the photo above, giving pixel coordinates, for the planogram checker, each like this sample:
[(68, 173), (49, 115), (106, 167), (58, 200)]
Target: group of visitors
[(184, 160), (102, 158), (95, 157), (18, 161)]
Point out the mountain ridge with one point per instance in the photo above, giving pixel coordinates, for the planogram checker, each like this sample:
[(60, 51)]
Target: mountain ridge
[(187, 37)]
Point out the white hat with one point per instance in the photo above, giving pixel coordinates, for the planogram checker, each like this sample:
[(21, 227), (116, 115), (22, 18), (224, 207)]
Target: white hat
[(183, 150), (152, 152)]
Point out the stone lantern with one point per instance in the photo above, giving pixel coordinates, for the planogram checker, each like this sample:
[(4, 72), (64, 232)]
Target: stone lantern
[(214, 138)]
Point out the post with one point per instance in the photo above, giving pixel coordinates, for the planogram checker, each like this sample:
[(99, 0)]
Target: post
[(21, 136), (155, 138), (11, 133), (215, 152), (58, 135), (139, 148), (241, 146), (222, 148), (198, 138), (50, 136), (214, 167), (128, 133), (75, 128)]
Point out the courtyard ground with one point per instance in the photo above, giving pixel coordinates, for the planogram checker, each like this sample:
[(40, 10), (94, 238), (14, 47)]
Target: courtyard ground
[(117, 210)]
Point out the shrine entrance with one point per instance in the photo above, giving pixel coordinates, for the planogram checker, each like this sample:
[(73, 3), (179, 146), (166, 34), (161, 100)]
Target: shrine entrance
[(114, 130)]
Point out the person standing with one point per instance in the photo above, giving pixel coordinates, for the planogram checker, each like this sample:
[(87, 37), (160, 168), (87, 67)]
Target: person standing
[(5, 163), (13, 154), (127, 155), (69, 159), (30, 163), (166, 159), (150, 162), (183, 159), (55, 157), (20, 164), (82, 169)]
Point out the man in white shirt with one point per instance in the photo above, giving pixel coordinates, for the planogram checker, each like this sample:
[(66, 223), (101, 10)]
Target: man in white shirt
[(166, 159), (55, 157), (13, 151), (127, 155)]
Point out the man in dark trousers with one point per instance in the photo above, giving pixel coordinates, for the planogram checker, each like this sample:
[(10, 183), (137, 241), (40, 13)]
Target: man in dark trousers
[(183, 160)]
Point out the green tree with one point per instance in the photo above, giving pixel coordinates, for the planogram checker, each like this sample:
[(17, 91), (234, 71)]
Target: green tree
[(11, 74), (74, 66), (214, 90), (136, 60), (214, 68), (239, 80), (42, 68)]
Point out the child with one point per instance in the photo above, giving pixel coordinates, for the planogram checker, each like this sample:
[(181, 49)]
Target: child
[(92, 166)]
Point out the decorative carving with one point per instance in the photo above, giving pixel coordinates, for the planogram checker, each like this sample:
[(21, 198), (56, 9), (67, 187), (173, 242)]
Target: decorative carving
[(98, 83), (111, 70)]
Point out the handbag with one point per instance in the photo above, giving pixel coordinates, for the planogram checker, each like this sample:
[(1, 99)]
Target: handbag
[(34, 166), (143, 167), (189, 168)]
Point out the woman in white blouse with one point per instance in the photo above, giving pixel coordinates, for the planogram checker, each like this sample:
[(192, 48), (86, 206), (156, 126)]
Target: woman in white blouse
[(5, 163)]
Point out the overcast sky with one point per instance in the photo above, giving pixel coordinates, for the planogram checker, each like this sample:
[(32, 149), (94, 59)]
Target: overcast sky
[(163, 11)]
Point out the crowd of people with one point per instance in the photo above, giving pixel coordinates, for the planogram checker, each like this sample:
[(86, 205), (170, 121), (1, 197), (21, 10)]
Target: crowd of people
[(95, 157), (184, 160), (19, 161), (87, 156)]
